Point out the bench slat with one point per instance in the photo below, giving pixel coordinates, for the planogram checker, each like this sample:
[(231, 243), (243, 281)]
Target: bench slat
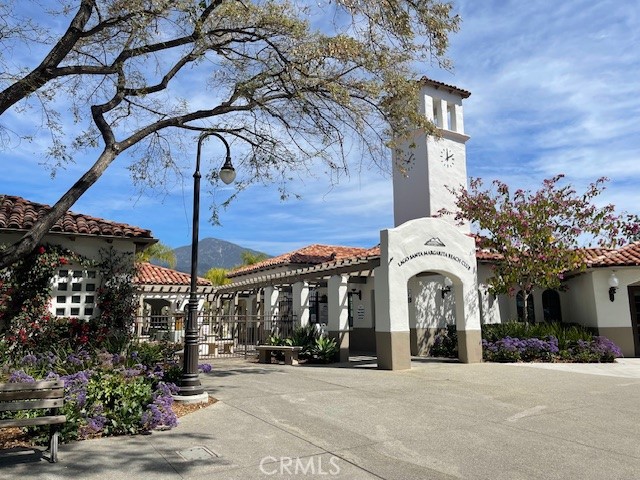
[(27, 422), (29, 404), (31, 394), (283, 348), (7, 387)]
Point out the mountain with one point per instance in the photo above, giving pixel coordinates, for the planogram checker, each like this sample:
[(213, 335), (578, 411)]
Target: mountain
[(212, 252)]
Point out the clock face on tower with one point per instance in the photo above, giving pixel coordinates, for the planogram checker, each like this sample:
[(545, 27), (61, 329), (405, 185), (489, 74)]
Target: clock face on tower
[(446, 157)]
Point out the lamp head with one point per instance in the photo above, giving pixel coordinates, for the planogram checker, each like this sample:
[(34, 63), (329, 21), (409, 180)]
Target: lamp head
[(227, 172), (447, 287)]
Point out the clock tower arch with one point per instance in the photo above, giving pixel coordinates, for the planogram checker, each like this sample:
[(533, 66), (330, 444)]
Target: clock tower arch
[(427, 165)]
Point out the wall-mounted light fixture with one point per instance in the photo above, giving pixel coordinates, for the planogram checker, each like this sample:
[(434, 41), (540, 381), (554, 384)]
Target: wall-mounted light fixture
[(613, 286), (447, 286), (357, 293)]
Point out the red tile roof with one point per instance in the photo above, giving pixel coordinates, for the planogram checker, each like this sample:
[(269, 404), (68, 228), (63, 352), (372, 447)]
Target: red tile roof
[(149, 274), (451, 88), (310, 255), (627, 256), (16, 213)]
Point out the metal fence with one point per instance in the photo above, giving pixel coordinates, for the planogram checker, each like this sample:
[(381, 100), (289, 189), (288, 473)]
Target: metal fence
[(220, 335)]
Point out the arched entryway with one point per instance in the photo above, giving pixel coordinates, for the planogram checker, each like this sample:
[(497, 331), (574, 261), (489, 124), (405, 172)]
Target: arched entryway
[(410, 250), (431, 309)]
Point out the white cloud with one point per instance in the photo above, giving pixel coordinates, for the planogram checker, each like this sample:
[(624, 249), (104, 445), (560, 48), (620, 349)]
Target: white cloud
[(554, 90)]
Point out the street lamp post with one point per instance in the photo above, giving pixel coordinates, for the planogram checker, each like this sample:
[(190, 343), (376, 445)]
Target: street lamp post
[(190, 381)]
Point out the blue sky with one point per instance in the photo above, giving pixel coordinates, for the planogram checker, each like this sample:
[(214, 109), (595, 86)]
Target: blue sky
[(555, 89)]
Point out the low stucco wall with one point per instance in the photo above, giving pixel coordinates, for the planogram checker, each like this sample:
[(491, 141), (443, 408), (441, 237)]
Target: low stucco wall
[(623, 337)]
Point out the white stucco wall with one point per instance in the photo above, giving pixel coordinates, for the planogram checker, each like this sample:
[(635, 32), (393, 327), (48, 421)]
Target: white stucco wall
[(429, 166), (492, 310), (85, 245), (362, 308), (425, 245), (578, 303), (616, 313), (428, 309), (67, 300)]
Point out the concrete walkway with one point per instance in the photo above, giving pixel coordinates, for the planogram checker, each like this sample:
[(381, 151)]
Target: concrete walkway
[(440, 420)]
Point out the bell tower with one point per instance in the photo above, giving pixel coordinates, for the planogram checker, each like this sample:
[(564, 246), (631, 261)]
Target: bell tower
[(432, 164)]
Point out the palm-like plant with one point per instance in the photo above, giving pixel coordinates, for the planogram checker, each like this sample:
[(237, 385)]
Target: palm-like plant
[(160, 252)]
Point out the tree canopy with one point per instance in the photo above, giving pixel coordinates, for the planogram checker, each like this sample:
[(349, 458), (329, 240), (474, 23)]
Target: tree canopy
[(292, 84), (251, 258), (217, 276), (540, 235), (160, 252)]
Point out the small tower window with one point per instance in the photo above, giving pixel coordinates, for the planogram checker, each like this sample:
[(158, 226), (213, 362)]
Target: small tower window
[(451, 117)]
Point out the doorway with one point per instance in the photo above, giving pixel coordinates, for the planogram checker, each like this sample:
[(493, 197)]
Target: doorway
[(634, 304)]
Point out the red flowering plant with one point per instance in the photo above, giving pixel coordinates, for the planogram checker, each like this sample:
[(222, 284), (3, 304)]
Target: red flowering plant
[(25, 293), (117, 296)]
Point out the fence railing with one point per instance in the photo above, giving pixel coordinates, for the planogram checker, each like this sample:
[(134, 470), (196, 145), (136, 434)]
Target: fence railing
[(220, 335)]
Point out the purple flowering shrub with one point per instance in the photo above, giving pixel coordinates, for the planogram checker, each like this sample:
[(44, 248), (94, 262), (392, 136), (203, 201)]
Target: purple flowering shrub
[(514, 349), (445, 343), (508, 349), (599, 350), (546, 342), (205, 367), (105, 393)]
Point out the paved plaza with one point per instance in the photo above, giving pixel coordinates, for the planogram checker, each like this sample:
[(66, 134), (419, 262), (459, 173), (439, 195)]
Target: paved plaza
[(439, 420)]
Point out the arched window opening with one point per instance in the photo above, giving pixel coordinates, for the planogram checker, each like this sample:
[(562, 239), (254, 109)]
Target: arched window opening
[(551, 306)]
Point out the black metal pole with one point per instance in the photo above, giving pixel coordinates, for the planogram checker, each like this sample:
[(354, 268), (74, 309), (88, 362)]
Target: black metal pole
[(190, 379)]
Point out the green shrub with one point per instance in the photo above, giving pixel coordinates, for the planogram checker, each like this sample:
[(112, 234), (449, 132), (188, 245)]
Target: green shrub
[(565, 333), (275, 340), (153, 353), (445, 343), (122, 399), (305, 337), (325, 349)]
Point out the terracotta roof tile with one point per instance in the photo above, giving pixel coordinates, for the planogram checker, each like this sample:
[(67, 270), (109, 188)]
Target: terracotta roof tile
[(149, 274), (19, 214), (627, 256), (310, 255), (453, 88)]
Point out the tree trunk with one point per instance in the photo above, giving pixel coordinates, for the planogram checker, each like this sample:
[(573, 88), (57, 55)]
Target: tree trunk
[(33, 237), (44, 72)]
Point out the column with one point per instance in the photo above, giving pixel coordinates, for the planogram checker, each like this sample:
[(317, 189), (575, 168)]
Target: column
[(428, 107), (338, 326), (270, 303), (458, 118), (468, 320), (393, 339), (443, 117), (300, 292)]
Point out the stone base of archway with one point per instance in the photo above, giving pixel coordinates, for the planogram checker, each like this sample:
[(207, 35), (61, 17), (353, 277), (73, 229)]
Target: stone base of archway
[(393, 350), (469, 346)]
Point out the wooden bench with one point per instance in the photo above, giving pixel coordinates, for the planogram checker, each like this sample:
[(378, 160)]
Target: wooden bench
[(290, 353), (46, 394)]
